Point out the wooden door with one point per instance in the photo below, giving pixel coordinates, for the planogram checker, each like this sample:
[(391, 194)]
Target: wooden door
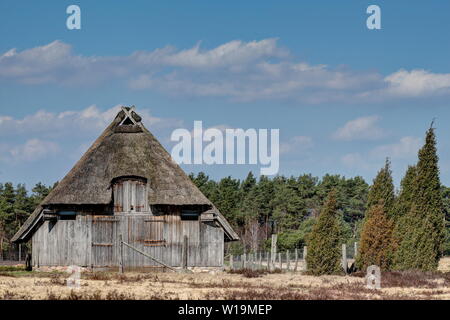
[(147, 234), (104, 241), (130, 196)]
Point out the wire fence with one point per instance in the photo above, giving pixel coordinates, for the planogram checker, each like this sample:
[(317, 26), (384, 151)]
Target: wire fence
[(15, 254), (289, 260)]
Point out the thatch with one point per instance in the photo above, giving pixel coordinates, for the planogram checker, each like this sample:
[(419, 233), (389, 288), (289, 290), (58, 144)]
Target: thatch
[(31, 223), (124, 149)]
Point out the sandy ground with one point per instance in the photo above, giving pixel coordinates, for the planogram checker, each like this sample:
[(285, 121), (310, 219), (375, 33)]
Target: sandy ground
[(222, 285)]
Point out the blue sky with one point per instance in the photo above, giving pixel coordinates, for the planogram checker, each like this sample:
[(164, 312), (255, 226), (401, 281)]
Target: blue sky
[(344, 97)]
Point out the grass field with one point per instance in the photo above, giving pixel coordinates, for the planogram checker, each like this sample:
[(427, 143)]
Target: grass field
[(19, 284)]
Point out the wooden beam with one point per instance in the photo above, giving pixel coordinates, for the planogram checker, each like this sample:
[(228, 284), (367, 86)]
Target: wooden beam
[(121, 254), (149, 256), (128, 115), (184, 254)]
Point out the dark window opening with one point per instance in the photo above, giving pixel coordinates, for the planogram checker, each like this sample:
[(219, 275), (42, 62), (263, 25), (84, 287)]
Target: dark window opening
[(189, 215), (68, 218), (127, 122), (67, 215)]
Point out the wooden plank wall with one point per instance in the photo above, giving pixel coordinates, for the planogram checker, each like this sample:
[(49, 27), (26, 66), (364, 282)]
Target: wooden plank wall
[(65, 243), (94, 241)]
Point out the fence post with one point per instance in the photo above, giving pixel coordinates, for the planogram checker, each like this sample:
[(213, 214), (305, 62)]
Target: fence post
[(121, 253), (356, 249), (244, 262), (231, 262), (288, 261), (260, 260), (344, 257), (280, 262), (305, 253), (273, 250), (296, 260)]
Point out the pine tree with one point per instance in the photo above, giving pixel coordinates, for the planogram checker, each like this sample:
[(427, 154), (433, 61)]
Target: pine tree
[(376, 233), (324, 241), (23, 206), (376, 240), (422, 241), (446, 201), (7, 214), (262, 197), (356, 190), (40, 191), (247, 204), (248, 184), (403, 205), (327, 184), (228, 198), (382, 189), (289, 208), (404, 201)]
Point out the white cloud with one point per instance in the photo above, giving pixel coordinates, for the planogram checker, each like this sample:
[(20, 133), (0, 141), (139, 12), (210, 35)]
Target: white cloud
[(32, 150), (56, 62), (259, 80), (296, 144), (406, 148), (417, 83), (246, 71), (229, 54), (68, 133), (364, 128), (86, 121), (355, 160)]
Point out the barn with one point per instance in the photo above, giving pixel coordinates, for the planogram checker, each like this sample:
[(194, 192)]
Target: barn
[(126, 189)]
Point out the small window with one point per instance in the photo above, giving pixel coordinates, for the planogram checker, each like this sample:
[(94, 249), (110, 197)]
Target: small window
[(127, 122), (67, 215), (189, 215), (130, 195)]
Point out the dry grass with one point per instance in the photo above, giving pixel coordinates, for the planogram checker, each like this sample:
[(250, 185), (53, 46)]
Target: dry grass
[(249, 273), (245, 284)]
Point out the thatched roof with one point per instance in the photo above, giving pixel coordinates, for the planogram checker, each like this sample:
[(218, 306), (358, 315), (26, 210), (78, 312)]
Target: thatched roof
[(28, 226), (126, 151), (125, 148)]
